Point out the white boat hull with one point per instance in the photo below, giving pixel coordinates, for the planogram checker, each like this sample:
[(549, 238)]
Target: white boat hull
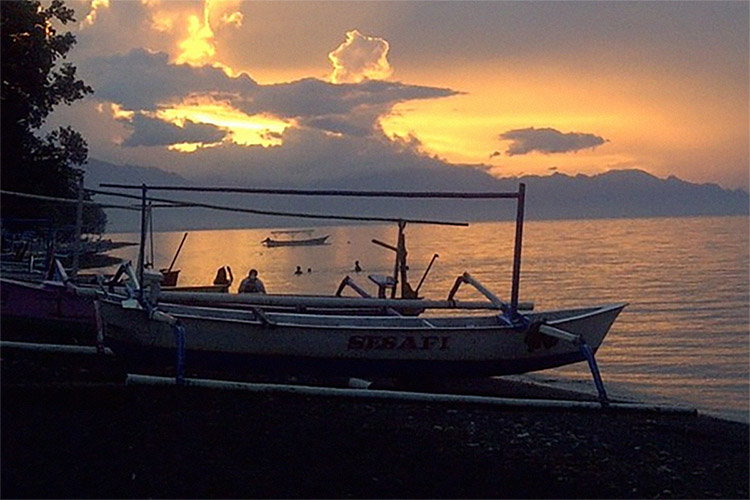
[(234, 340)]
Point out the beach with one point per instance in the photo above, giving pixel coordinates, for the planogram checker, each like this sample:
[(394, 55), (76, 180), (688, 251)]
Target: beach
[(71, 430)]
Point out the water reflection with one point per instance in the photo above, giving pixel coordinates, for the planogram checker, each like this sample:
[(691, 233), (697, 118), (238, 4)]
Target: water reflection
[(684, 336)]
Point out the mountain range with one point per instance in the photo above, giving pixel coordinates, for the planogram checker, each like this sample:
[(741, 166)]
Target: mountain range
[(613, 194)]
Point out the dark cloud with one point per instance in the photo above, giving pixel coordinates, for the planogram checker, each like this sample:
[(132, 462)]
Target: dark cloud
[(311, 97), (312, 157), (548, 140), (341, 108), (153, 132), (141, 80)]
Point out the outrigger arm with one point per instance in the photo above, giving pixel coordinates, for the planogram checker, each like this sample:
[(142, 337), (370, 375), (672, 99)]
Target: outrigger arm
[(522, 321)]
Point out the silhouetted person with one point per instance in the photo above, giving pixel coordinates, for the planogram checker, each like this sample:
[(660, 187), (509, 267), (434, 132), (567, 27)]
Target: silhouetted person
[(221, 276), (298, 271), (357, 268), (252, 284)]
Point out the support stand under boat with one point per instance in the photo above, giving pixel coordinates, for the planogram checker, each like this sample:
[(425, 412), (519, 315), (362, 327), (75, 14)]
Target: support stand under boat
[(152, 281), (587, 353), (513, 318)]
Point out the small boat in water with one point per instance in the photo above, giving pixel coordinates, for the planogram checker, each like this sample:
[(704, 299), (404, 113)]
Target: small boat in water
[(293, 241)]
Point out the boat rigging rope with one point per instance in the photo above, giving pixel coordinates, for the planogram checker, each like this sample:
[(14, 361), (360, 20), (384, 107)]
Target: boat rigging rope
[(182, 203)]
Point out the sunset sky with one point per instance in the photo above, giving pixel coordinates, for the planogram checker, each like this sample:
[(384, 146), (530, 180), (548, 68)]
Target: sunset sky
[(299, 92)]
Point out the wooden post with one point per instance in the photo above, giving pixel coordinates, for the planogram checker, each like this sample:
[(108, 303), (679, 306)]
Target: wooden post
[(402, 259), (142, 250), (398, 254), (517, 251), (79, 228)]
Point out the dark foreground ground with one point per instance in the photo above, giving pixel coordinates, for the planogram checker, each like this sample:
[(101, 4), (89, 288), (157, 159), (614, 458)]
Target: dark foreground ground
[(82, 439)]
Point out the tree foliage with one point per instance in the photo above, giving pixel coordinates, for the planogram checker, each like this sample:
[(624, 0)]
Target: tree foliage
[(34, 81)]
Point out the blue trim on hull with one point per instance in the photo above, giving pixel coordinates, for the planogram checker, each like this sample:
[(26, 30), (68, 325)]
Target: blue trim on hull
[(156, 357)]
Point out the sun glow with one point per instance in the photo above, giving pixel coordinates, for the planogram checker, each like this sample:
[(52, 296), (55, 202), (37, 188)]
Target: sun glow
[(245, 130), (637, 122), (118, 113), (95, 6), (199, 48)]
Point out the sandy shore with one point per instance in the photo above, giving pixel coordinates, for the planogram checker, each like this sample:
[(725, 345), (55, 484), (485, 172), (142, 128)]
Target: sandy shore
[(83, 436)]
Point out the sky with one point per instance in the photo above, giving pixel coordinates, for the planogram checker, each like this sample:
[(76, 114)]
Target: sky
[(303, 93)]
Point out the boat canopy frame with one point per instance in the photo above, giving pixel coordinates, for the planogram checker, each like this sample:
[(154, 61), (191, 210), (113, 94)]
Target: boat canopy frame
[(519, 196)]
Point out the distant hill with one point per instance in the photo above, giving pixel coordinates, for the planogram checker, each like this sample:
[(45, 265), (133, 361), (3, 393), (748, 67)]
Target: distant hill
[(614, 194), (99, 172), (628, 193)]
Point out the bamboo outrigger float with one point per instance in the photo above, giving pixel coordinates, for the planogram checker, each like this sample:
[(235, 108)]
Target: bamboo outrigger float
[(246, 333)]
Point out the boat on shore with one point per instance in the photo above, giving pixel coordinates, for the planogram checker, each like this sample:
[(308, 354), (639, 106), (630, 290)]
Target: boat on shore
[(31, 306), (27, 309), (293, 241), (249, 333), (247, 341)]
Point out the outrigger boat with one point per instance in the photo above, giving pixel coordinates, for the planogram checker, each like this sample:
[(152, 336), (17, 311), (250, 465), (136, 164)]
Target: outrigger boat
[(152, 328), (62, 309), (292, 343), (293, 241)]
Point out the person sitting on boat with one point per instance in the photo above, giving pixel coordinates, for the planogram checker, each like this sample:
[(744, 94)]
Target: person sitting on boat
[(298, 271), (357, 268), (252, 284), (221, 276)]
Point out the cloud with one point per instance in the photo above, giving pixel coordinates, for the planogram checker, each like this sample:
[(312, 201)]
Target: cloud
[(359, 58), (199, 47), (344, 108), (548, 140), (90, 19), (142, 80), (313, 158), (149, 131), (145, 81)]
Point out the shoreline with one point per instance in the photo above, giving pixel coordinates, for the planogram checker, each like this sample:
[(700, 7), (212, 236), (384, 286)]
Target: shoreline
[(624, 392)]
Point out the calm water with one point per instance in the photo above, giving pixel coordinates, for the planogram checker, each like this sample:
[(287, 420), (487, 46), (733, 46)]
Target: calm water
[(683, 339)]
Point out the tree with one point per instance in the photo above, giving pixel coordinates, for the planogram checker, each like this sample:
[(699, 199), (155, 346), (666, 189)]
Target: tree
[(33, 84)]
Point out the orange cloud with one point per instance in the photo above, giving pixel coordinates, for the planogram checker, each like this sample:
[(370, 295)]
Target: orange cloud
[(360, 57), (248, 130), (90, 19), (197, 46)]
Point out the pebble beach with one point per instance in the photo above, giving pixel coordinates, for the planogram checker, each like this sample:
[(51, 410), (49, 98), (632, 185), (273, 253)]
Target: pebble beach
[(69, 432)]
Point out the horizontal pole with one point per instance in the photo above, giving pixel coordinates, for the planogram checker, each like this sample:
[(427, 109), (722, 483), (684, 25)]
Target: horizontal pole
[(227, 208), (63, 200), (52, 348), (134, 379), (324, 192), (315, 301), (573, 338)]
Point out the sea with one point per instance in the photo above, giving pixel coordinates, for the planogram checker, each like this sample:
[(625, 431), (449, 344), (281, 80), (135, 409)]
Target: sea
[(684, 338)]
